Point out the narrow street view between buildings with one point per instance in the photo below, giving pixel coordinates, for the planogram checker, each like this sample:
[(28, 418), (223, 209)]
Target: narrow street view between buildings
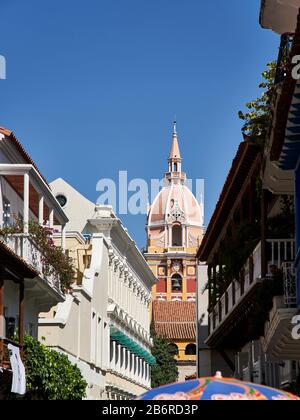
[(145, 256)]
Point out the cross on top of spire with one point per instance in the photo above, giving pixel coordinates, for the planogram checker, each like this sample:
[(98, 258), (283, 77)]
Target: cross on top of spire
[(175, 127)]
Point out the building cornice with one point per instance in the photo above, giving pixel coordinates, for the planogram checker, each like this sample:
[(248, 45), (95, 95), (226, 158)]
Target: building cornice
[(131, 326)]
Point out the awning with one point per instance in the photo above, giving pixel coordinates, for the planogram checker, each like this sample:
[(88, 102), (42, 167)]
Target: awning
[(135, 348)]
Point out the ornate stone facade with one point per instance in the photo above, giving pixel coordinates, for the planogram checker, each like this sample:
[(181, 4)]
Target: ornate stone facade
[(175, 231)]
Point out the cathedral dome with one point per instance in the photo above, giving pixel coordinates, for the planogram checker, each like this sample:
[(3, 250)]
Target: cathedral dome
[(175, 203), (175, 218)]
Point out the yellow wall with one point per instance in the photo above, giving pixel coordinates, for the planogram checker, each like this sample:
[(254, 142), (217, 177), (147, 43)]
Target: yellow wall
[(181, 349)]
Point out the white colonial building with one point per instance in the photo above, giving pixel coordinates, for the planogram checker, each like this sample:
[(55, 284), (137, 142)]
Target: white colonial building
[(28, 284), (104, 326)]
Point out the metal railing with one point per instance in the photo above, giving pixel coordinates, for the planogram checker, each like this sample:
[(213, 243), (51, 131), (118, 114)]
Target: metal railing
[(289, 285), (281, 251), (283, 57)]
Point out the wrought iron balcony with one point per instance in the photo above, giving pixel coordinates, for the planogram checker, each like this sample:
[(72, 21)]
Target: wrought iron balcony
[(278, 339), (283, 57), (289, 285)]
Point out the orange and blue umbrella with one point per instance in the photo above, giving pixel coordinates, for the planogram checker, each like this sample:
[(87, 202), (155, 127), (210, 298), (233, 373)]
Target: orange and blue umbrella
[(216, 389)]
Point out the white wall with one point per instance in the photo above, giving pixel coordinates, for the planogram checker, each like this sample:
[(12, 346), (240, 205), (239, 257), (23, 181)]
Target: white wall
[(202, 298), (78, 208)]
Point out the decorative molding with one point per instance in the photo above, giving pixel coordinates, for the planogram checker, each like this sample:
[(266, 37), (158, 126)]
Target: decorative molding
[(176, 214)]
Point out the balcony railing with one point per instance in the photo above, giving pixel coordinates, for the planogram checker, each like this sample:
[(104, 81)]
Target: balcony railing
[(289, 285), (280, 252), (25, 247), (283, 57)]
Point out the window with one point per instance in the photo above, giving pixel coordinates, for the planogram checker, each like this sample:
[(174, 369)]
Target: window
[(175, 167), (176, 235), (105, 345), (6, 212), (10, 327), (111, 351), (87, 261), (190, 350), (93, 337), (99, 342), (62, 199), (176, 283)]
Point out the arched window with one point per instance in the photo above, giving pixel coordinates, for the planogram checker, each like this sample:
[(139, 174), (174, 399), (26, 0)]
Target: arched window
[(190, 350), (175, 167), (176, 283), (177, 235), (174, 348)]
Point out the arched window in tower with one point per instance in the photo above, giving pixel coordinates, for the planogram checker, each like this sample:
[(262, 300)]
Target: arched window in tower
[(176, 167), (190, 350), (177, 235), (176, 283)]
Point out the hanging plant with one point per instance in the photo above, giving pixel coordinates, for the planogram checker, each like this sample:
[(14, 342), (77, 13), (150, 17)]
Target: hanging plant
[(55, 260), (258, 116), (282, 226), (236, 249)]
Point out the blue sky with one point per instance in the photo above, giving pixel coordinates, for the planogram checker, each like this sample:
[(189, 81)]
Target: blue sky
[(93, 86)]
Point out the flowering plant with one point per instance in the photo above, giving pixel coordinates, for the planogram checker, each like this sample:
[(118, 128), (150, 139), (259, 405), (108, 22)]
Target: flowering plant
[(55, 260)]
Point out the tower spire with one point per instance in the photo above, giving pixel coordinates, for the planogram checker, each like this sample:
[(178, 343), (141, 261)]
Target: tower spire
[(175, 175), (175, 151)]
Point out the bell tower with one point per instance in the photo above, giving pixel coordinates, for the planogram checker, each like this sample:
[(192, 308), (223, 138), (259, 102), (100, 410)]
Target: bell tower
[(175, 230)]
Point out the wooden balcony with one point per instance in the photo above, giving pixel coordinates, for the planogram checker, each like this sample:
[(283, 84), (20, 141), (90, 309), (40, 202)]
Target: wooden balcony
[(236, 302)]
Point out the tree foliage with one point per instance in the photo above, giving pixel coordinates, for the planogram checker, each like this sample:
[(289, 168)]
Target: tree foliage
[(165, 371), (258, 115), (237, 247), (50, 375), (282, 226)]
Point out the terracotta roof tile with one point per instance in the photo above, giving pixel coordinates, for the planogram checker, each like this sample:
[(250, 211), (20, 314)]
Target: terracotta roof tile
[(164, 311), (175, 320), (179, 331)]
